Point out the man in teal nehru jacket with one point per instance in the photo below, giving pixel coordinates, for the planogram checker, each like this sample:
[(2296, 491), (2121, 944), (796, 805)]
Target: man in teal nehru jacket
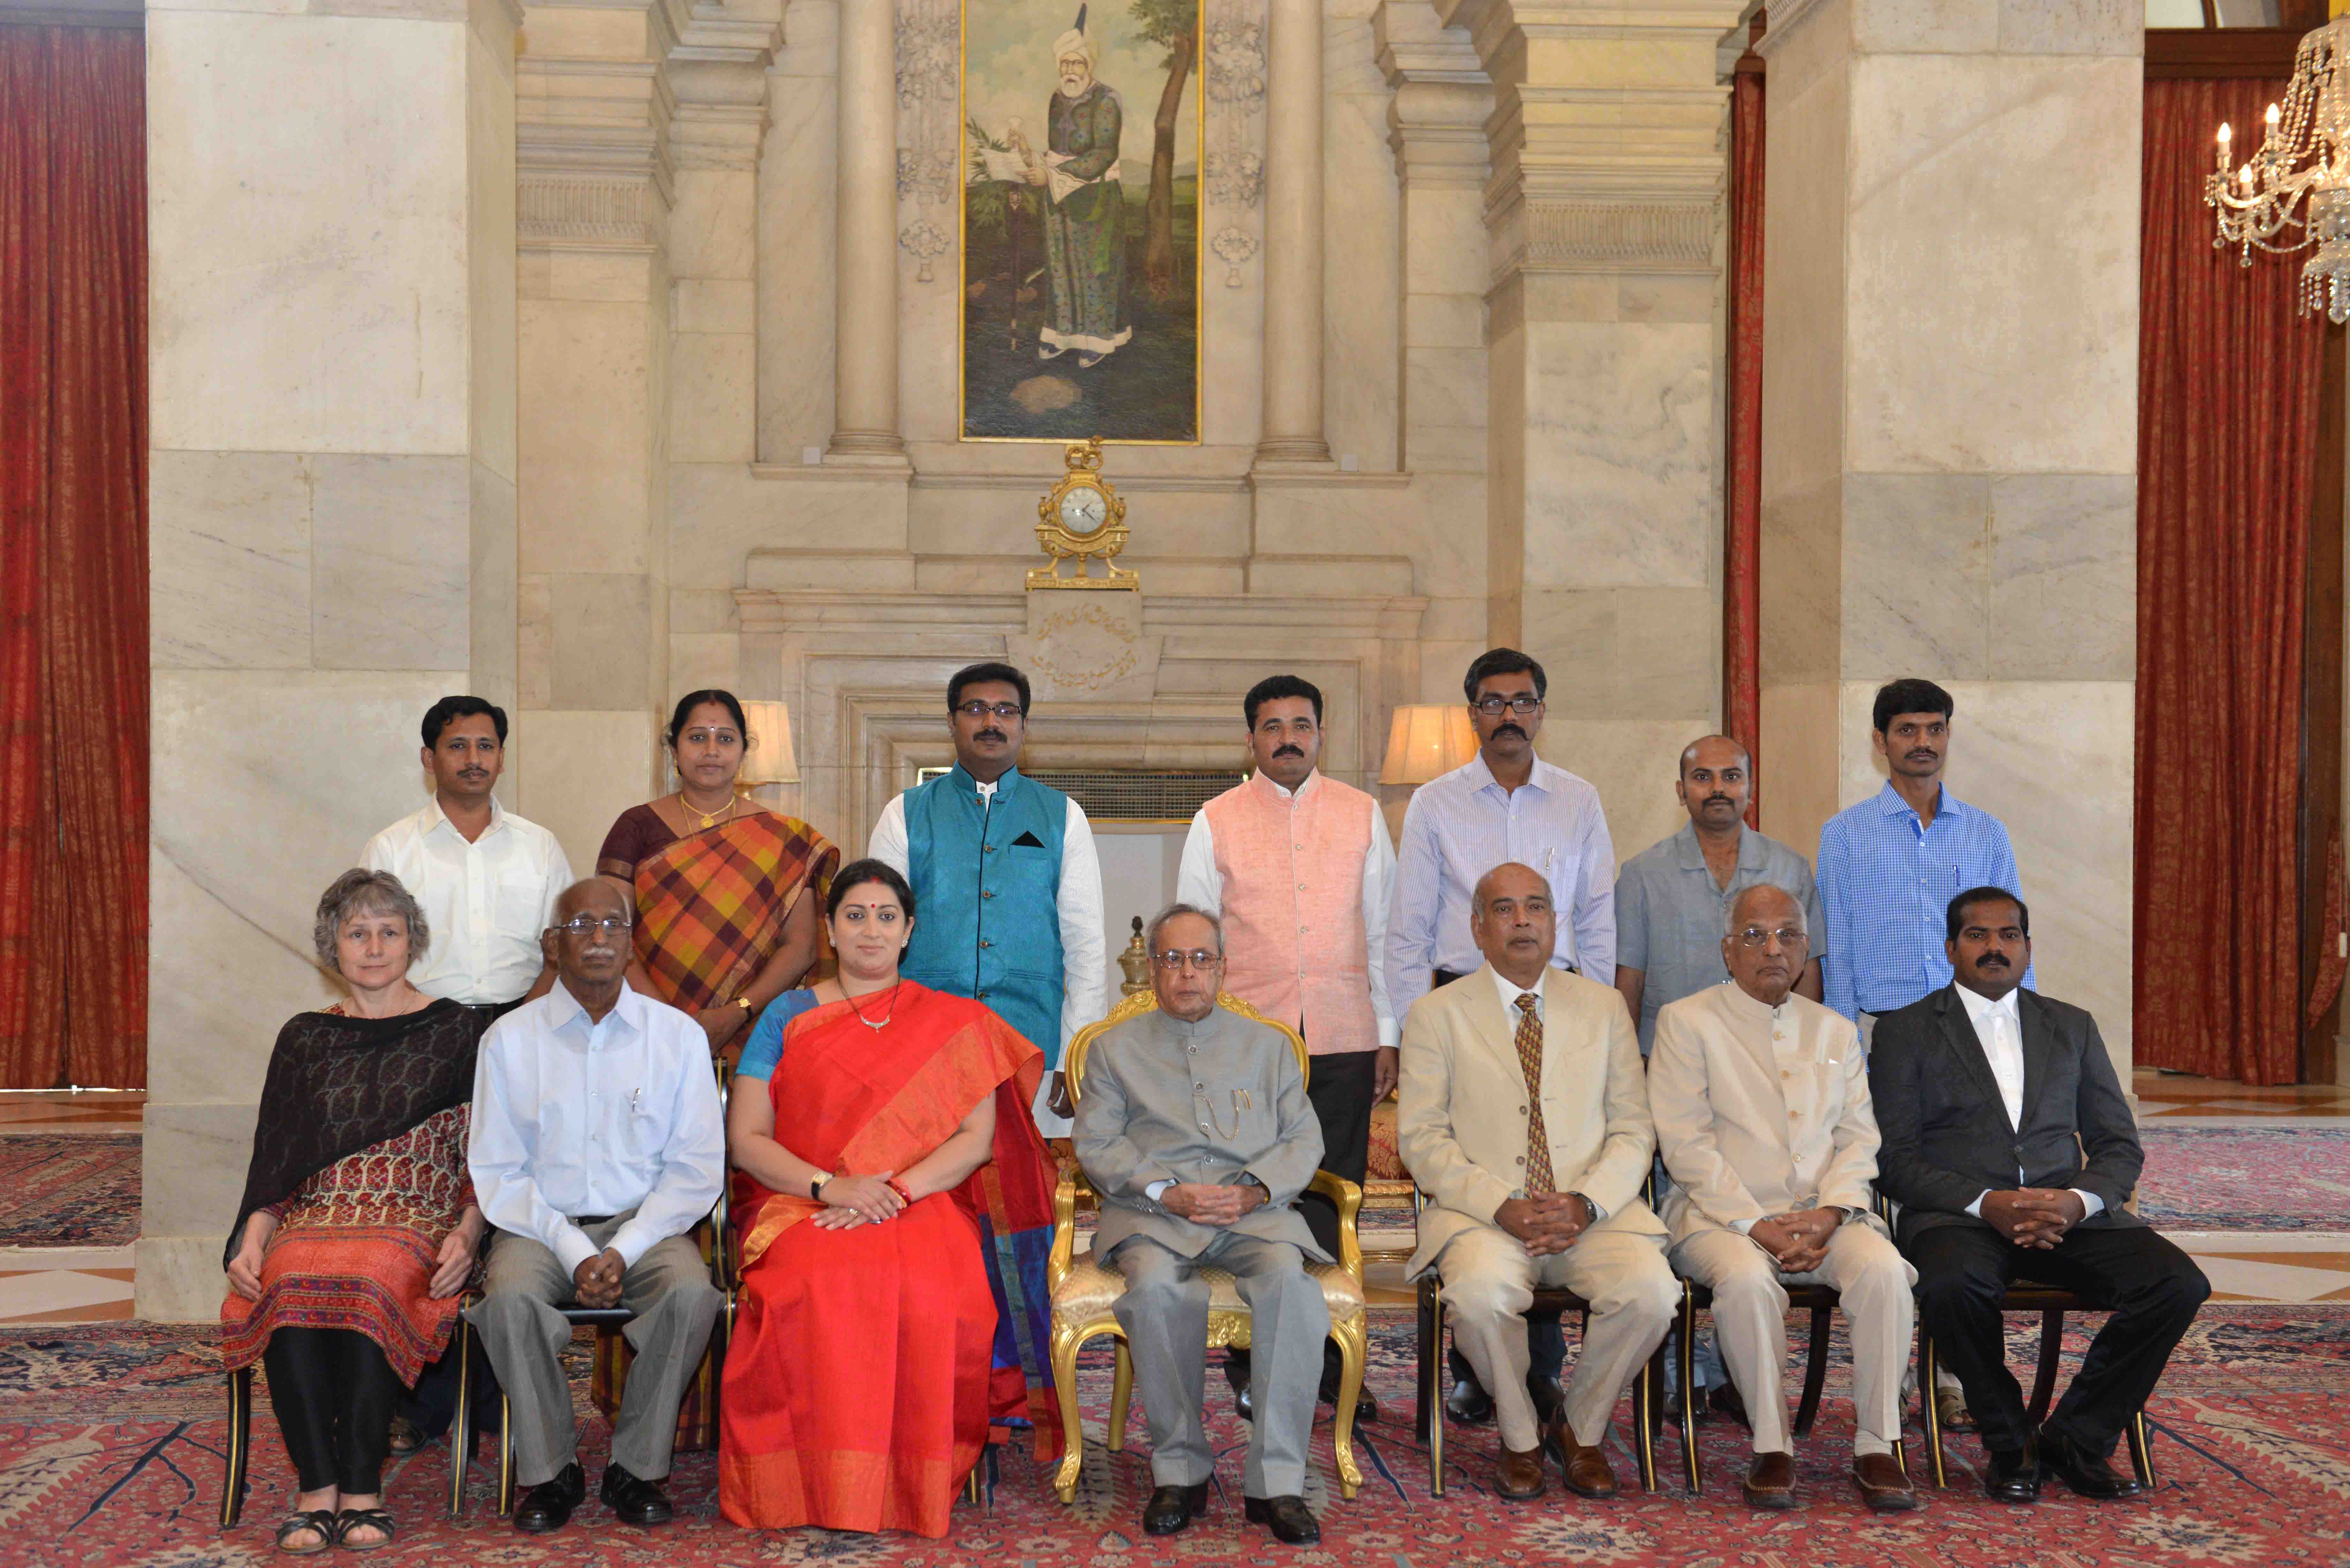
[(1004, 875)]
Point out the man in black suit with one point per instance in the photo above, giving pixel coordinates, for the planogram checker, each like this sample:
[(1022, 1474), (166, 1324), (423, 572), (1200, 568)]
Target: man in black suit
[(2011, 1150)]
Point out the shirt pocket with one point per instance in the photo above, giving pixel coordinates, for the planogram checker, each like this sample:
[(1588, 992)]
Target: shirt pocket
[(519, 907)]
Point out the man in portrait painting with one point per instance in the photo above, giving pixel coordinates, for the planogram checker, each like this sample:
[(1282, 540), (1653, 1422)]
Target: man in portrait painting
[(1084, 208)]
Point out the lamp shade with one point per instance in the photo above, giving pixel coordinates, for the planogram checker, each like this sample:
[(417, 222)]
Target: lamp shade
[(769, 760), (1427, 741)]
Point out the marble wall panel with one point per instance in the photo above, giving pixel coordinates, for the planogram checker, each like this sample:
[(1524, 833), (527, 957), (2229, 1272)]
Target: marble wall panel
[(1917, 576), (285, 315), (702, 609), (534, 640), (928, 342), (1632, 762), (179, 1279), (1808, 110), (1924, 26), (798, 240), (1434, 524), (714, 305), (581, 769), (1617, 653), (1450, 222), (229, 552), (2063, 578), (713, 224), (587, 458), (1361, 251), (489, 222), (191, 1173), (713, 397), (1443, 321), (603, 631), (392, 549), (720, 513), (1949, 366), (1618, 455), (699, 660), (2072, 27), (1797, 770), (494, 597), (1803, 582)]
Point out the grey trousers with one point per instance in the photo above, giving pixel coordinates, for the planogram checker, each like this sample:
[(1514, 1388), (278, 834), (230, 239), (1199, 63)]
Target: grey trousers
[(669, 1290), (1164, 1312)]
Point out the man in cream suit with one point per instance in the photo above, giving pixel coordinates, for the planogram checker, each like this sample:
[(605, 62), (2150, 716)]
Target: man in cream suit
[(1193, 1126), (1761, 1100), (1524, 1119)]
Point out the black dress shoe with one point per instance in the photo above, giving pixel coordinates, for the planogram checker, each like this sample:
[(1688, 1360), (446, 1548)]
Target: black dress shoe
[(2087, 1473), (1289, 1517), (548, 1506), (1171, 1508), (636, 1501), (2013, 1476), (1468, 1403)]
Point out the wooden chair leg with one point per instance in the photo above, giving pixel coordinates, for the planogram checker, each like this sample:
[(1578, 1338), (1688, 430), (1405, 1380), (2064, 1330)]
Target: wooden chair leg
[(1687, 1350), (1353, 1338), (1816, 1374), (1431, 1390), (1430, 1351), (505, 1456), (460, 1427), (2141, 1449), (1647, 1392), (240, 1445), (1931, 1408), (1066, 1345), (2051, 1350), (1121, 1395)]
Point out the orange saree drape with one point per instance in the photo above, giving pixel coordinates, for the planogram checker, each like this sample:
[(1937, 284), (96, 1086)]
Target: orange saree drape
[(866, 1364)]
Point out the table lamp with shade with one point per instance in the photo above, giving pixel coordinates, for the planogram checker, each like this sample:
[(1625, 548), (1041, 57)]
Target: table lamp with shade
[(769, 760), (1425, 741)]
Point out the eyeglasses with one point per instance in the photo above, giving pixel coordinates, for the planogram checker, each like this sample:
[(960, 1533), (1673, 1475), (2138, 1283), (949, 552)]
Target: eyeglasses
[(1789, 937), (587, 925), (1198, 958), (978, 710), (1521, 704)]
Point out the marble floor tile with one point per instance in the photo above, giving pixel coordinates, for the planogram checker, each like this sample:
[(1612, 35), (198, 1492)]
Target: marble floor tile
[(70, 1110), (64, 1295)]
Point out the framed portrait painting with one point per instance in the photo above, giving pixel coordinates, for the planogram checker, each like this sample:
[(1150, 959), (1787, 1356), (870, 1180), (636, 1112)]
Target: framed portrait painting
[(1082, 128)]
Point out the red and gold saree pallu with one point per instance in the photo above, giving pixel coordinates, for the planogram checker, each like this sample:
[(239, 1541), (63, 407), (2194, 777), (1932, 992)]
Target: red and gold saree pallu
[(868, 1364), (710, 904)]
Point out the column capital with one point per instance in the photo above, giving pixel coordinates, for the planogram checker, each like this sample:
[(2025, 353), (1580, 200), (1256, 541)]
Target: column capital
[(1436, 119), (593, 103), (719, 69)]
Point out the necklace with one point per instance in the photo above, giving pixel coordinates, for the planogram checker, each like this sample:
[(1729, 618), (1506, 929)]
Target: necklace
[(711, 819), (875, 1023)]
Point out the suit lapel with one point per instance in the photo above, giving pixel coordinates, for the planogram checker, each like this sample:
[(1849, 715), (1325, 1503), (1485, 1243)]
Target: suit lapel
[(1966, 1045), (1494, 1023), (2038, 1045)]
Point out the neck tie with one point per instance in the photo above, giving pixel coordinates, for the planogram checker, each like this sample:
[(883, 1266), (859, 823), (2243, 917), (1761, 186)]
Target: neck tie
[(1539, 1181)]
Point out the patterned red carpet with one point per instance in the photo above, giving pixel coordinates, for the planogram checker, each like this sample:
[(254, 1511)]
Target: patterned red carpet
[(2246, 1177), (110, 1455), (68, 1189)]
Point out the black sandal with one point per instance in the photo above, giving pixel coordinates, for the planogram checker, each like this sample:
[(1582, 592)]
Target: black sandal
[(352, 1519), (321, 1519)]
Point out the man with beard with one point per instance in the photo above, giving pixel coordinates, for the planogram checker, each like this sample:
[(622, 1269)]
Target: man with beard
[(2011, 1150), (1297, 866), (1505, 805), (1084, 208), (1005, 872)]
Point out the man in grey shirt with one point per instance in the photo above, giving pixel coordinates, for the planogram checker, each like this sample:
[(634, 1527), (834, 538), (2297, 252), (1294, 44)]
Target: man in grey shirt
[(1671, 896)]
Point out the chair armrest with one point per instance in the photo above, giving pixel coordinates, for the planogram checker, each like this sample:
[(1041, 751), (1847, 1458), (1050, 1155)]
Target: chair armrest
[(1072, 1189), (1349, 1201)]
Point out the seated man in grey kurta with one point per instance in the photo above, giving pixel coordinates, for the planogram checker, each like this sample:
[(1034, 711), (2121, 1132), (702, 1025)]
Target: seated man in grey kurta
[(1193, 1126)]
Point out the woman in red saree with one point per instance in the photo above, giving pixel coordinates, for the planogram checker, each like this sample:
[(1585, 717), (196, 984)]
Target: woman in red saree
[(895, 1205)]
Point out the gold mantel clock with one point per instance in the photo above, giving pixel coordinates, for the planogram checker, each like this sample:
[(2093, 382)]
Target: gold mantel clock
[(1082, 519)]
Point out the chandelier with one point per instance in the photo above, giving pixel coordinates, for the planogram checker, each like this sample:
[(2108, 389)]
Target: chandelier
[(2305, 149)]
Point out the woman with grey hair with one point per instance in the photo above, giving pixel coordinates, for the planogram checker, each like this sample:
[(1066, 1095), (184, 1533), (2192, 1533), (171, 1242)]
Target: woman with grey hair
[(358, 1231)]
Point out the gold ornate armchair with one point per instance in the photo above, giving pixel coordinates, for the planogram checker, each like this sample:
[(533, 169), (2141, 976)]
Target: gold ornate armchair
[(1085, 1291)]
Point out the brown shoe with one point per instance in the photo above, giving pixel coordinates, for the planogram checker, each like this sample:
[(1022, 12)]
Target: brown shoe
[(1519, 1476), (1587, 1474), (1771, 1480), (1884, 1484)]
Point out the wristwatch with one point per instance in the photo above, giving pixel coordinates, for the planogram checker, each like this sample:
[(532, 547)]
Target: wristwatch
[(745, 1003), (816, 1187)]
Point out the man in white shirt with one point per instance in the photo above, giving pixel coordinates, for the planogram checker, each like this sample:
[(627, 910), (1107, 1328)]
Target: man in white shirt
[(1297, 866), (1005, 872), (1761, 1100), (487, 878), (596, 1145), (2011, 1150)]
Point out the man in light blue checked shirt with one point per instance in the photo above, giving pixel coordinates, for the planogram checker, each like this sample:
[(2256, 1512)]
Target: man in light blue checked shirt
[(1889, 865)]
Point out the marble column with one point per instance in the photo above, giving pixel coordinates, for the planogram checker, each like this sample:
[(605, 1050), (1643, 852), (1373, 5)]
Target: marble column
[(1292, 237), (864, 361), (598, 181), (1604, 523), (1949, 431), (332, 487)]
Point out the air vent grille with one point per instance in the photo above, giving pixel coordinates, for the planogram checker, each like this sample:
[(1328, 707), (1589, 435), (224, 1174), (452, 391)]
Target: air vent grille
[(1131, 795)]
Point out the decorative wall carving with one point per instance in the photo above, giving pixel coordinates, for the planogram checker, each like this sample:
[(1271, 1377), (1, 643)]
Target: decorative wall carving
[(1234, 164), (1619, 236), (612, 212), (930, 140)]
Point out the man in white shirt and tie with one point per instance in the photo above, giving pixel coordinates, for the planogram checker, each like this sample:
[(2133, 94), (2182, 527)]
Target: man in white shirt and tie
[(2011, 1151), (487, 878), (596, 1145)]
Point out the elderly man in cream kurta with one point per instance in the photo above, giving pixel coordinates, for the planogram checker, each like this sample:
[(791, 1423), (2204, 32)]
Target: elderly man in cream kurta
[(1193, 1126), (1523, 1118), (1762, 1107)]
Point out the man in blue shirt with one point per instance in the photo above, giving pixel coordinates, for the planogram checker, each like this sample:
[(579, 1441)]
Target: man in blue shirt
[(1889, 865)]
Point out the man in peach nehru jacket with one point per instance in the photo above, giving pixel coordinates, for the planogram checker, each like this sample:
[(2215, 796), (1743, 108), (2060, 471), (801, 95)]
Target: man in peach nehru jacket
[(1298, 867)]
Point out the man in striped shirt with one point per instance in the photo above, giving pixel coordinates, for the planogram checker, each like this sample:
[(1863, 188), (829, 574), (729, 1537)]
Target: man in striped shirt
[(1889, 865)]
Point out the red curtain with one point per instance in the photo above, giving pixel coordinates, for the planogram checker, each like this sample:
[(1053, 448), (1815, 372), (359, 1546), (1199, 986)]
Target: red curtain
[(2227, 393), (73, 557), (1742, 587)]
